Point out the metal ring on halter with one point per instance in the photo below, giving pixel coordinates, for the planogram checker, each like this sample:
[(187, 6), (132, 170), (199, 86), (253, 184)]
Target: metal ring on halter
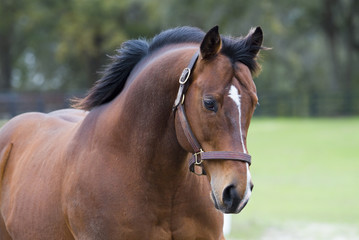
[(185, 75), (183, 97), (196, 157)]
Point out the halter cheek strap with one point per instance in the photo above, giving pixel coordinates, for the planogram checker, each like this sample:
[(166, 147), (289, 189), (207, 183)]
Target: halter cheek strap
[(183, 81), (198, 154)]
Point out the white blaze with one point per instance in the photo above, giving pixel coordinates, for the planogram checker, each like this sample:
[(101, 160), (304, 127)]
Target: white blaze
[(236, 97)]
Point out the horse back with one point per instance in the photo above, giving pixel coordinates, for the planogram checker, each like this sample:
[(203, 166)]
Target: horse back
[(30, 128), (31, 171)]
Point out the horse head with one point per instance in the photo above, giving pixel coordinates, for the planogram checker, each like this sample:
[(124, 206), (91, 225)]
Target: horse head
[(219, 102)]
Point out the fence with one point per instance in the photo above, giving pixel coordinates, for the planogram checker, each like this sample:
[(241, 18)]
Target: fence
[(311, 105), (12, 104), (271, 104)]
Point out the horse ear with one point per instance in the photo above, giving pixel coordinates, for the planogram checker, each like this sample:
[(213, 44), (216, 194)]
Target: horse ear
[(211, 43), (254, 40)]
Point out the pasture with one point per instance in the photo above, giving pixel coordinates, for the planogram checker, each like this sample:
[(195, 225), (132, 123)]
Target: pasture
[(306, 180), (2, 122)]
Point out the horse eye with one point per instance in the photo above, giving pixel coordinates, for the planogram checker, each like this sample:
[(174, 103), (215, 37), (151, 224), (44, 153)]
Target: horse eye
[(210, 104)]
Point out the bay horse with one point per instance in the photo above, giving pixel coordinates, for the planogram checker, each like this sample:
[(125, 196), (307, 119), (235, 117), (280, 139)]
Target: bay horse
[(117, 166)]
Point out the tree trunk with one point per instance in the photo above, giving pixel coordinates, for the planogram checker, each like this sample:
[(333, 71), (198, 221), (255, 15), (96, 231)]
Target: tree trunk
[(5, 59), (350, 49), (330, 30)]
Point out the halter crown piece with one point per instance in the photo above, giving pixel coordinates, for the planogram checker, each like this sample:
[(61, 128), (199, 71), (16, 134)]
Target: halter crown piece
[(199, 155)]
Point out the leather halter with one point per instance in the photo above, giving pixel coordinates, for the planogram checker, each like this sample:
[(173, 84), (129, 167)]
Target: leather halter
[(199, 155)]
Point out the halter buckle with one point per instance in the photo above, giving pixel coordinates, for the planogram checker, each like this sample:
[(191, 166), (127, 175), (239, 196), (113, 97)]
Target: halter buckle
[(196, 157), (185, 75)]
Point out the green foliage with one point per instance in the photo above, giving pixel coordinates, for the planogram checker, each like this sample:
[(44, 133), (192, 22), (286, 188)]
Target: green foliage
[(63, 44), (91, 29), (2, 122)]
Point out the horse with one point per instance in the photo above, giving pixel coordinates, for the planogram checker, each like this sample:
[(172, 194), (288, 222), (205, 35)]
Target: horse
[(123, 163)]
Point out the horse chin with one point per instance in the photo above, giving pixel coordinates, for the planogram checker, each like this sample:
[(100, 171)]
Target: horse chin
[(240, 207)]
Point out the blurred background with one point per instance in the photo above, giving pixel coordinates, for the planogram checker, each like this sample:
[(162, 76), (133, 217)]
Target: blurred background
[(54, 49), (306, 170)]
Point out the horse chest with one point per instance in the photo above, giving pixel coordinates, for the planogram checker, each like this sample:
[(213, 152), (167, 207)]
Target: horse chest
[(114, 212)]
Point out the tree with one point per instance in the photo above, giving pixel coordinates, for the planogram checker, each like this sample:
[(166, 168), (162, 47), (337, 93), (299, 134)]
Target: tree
[(341, 28), (90, 30), (9, 12), (48, 44)]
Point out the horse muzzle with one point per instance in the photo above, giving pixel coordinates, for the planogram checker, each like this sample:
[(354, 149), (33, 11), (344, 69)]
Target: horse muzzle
[(230, 200), (232, 197)]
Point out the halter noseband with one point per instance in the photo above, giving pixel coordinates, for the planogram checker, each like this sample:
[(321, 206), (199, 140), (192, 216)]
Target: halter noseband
[(199, 155)]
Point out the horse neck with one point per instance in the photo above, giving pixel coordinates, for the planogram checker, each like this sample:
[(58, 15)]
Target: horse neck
[(141, 119)]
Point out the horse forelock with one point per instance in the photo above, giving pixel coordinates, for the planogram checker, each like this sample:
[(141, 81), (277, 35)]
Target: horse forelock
[(132, 52)]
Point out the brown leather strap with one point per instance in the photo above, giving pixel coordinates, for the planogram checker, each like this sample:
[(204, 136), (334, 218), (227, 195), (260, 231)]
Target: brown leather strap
[(198, 158), (198, 154), (226, 155), (187, 129), (183, 80)]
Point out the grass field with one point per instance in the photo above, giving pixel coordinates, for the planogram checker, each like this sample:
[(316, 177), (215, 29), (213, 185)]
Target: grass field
[(306, 180), (2, 122)]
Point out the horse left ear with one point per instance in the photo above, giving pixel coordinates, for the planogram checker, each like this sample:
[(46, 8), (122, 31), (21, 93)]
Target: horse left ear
[(254, 40), (211, 43)]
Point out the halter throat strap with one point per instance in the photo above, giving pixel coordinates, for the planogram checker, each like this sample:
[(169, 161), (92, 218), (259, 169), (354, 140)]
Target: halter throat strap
[(198, 154)]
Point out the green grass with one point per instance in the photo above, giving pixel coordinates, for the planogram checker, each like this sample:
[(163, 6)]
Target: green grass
[(306, 180), (305, 171), (2, 122)]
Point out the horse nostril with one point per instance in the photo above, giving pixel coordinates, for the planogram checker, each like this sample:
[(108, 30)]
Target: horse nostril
[(230, 196), (251, 186)]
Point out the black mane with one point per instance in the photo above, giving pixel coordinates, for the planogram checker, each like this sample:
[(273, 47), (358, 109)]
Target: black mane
[(132, 51)]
